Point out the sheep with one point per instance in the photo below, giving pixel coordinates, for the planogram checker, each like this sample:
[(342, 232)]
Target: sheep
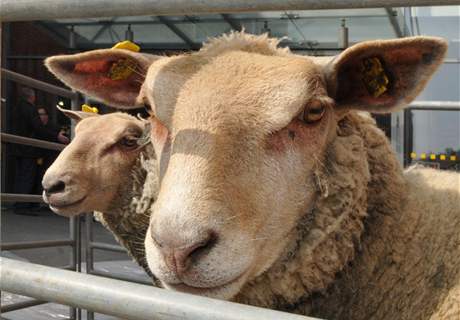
[(275, 189), (105, 168)]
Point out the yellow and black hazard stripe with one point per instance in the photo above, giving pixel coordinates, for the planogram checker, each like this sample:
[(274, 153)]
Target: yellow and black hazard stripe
[(432, 156)]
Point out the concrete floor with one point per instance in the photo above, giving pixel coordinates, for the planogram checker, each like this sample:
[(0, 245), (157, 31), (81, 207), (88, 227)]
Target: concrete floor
[(48, 226)]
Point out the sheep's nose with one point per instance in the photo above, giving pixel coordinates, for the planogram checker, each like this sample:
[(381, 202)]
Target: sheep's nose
[(53, 187), (179, 258)]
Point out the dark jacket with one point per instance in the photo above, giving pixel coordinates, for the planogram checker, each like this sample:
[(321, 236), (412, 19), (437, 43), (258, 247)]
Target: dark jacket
[(27, 123)]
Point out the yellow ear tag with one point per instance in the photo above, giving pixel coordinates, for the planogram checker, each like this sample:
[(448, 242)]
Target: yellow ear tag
[(374, 76), (127, 45), (124, 67), (88, 108)]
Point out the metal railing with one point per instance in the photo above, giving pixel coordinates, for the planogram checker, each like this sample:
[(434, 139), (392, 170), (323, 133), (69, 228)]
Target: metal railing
[(408, 129), (109, 296), (401, 127), (74, 224), (14, 10), (90, 246), (120, 298), (74, 240)]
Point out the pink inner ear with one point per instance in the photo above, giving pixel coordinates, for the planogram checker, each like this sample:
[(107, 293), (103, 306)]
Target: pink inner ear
[(93, 78), (96, 72), (93, 66)]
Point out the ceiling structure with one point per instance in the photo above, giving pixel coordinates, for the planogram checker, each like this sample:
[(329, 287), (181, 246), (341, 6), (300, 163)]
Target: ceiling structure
[(302, 30)]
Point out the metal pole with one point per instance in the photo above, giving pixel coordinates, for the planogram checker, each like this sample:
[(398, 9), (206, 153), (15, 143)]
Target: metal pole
[(31, 82), (108, 247), (120, 276), (11, 138), (22, 10), (20, 305), (343, 35), (122, 299), (75, 256), (35, 244), (16, 197), (89, 253), (435, 104), (394, 22)]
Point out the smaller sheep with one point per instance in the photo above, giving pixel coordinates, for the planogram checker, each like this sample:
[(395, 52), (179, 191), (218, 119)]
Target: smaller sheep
[(105, 169)]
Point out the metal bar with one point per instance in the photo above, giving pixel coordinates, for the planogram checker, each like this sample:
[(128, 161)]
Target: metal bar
[(20, 305), (11, 138), (89, 253), (204, 19), (178, 32), (435, 105), (16, 197), (106, 246), (122, 299), (105, 26), (397, 134), (75, 257), (14, 10), (434, 108), (394, 22), (119, 276), (88, 242), (25, 57), (234, 24), (78, 243), (35, 244), (17, 77), (58, 38)]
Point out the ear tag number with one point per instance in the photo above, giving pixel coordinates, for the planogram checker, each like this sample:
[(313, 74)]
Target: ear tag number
[(123, 68), (374, 76)]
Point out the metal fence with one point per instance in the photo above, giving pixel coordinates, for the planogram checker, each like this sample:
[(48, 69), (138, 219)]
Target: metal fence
[(73, 241), (14, 10), (123, 299), (128, 300)]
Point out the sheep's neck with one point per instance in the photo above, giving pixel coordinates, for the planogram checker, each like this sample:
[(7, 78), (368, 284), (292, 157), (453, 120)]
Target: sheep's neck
[(328, 237), (129, 219)]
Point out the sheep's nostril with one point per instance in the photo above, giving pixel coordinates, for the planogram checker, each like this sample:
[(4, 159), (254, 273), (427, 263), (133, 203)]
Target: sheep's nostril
[(57, 187), (186, 256), (203, 246)]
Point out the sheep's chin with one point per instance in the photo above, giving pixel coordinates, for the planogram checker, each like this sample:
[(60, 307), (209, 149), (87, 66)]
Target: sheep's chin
[(224, 292), (67, 209)]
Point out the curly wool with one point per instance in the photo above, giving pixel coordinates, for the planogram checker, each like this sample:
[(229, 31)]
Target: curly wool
[(129, 222), (379, 243)]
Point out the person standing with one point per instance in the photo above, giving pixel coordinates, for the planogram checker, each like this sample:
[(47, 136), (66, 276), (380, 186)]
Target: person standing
[(27, 123), (46, 156)]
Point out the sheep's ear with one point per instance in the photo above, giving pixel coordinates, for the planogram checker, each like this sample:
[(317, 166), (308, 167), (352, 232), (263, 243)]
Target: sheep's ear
[(112, 76), (384, 75), (77, 115)]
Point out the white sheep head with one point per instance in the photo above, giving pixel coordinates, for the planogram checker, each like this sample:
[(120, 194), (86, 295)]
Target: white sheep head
[(246, 125), (93, 173)]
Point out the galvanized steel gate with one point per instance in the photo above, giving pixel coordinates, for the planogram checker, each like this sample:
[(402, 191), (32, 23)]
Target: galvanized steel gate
[(118, 298)]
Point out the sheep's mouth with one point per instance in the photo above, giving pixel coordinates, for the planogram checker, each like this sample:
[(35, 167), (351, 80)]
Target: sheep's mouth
[(62, 205), (202, 291), (206, 291)]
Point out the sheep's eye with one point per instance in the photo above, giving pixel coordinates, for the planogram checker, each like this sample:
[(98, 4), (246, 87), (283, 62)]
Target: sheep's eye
[(128, 142), (313, 112)]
